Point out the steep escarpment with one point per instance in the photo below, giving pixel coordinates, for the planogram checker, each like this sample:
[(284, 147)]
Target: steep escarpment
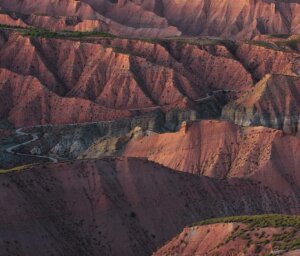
[(71, 141), (252, 235), (115, 206), (274, 102), (223, 150), (156, 18)]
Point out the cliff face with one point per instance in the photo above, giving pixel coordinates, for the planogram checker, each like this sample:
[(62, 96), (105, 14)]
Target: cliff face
[(223, 150), (115, 207), (243, 19), (71, 141), (274, 102)]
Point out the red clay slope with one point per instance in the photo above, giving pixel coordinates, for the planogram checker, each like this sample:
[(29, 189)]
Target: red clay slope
[(223, 150), (115, 207), (202, 240), (234, 238), (229, 18), (26, 102), (126, 74)]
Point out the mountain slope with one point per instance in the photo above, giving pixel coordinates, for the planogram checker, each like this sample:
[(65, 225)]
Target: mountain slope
[(115, 206), (138, 74), (223, 150), (26, 102), (251, 235)]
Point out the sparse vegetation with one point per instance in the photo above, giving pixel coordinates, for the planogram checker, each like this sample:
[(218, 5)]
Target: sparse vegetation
[(121, 50), (4, 26), (288, 238), (39, 32), (34, 32), (182, 40), (283, 36), (16, 169), (261, 221), (293, 43), (261, 43)]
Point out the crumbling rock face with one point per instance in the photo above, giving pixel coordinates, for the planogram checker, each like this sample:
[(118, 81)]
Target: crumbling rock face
[(71, 141), (140, 75), (26, 102), (224, 150), (274, 102), (115, 206)]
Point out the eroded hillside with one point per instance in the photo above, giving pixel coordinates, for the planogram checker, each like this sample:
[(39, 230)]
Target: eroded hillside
[(112, 78), (223, 150), (159, 18), (251, 235), (122, 206)]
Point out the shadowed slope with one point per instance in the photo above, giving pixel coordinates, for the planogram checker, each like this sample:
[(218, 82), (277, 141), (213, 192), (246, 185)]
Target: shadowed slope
[(114, 207)]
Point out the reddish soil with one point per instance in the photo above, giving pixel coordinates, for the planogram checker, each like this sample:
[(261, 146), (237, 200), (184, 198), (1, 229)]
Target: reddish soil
[(245, 19), (115, 206), (130, 74), (224, 150)]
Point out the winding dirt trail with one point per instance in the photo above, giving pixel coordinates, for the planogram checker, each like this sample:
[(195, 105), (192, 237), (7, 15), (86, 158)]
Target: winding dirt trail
[(11, 150)]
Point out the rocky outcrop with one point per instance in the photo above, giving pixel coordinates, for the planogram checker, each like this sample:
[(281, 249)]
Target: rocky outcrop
[(103, 138), (274, 102), (71, 141), (115, 206)]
